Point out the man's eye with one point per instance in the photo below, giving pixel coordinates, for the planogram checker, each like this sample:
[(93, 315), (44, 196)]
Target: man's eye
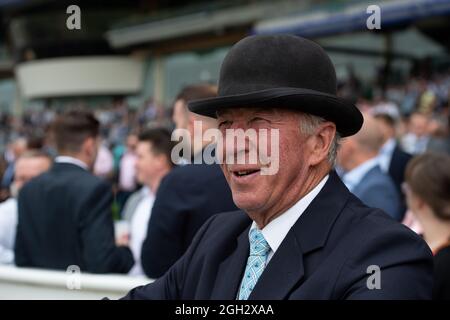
[(257, 119), (224, 123)]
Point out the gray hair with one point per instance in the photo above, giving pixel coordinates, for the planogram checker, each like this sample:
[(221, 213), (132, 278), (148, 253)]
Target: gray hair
[(308, 126)]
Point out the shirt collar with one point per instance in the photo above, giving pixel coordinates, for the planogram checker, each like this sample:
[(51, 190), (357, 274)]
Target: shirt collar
[(352, 178), (388, 147), (72, 160), (385, 154), (277, 229)]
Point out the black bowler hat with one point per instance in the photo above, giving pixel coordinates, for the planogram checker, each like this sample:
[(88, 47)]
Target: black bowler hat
[(281, 71)]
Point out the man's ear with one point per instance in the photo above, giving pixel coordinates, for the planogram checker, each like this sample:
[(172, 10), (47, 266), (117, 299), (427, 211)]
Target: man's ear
[(89, 146), (161, 159), (419, 203), (321, 142), (191, 118)]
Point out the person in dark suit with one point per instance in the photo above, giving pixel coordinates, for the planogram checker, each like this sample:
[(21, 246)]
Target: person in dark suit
[(300, 234), (428, 197), (358, 156), (65, 214), (188, 196), (393, 159)]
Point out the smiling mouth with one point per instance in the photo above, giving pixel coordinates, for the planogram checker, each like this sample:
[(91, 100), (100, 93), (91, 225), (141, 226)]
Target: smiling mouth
[(243, 173)]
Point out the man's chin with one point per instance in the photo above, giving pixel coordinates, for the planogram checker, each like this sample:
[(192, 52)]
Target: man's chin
[(246, 202)]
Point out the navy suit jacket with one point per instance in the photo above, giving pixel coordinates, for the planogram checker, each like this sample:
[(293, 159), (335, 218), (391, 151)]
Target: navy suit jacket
[(65, 219), (325, 255), (376, 189), (187, 197), (397, 166)]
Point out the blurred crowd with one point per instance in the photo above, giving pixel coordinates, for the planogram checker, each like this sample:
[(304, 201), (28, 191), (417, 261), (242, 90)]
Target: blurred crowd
[(398, 162), (119, 127)]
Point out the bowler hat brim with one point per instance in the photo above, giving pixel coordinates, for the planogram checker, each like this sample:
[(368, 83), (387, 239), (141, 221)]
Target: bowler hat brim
[(345, 115)]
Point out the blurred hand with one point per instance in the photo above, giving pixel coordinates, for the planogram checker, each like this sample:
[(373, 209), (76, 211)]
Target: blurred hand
[(123, 240)]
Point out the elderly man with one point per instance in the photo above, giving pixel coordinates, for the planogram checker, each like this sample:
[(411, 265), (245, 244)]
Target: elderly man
[(300, 234)]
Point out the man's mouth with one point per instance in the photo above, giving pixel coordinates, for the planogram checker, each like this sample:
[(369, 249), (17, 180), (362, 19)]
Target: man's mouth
[(242, 173)]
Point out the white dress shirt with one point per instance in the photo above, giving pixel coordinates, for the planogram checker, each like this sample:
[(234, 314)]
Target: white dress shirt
[(8, 225), (385, 154), (138, 228), (72, 160), (352, 178), (277, 229)]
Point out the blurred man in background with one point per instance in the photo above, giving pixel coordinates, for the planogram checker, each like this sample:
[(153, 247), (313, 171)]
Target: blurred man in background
[(393, 159), (153, 163), (358, 157), (65, 214), (29, 165), (187, 196), (416, 139)]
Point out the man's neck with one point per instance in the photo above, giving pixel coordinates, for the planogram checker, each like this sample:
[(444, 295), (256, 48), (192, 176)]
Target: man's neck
[(295, 192), (154, 183), (75, 158)]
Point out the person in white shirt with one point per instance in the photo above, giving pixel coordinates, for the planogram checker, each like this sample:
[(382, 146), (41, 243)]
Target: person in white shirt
[(104, 163), (28, 165), (153, 162)]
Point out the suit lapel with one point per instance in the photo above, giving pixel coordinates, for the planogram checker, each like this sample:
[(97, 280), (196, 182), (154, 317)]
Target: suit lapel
[(309, 233), (284, 270), (394, 160), (232, 268)]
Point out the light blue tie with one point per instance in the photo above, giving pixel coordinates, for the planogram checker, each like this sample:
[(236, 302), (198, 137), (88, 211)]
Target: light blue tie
[(259, 250)]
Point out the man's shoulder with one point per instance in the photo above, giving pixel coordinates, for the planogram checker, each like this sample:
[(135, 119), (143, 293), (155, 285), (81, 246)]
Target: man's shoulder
[(226, 225), (372, 227), (193, 169), (400, 154), (376, 177), (81, 180), (194, 174)]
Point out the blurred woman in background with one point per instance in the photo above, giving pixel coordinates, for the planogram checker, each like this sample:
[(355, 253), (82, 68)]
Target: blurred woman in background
[(427, 189)]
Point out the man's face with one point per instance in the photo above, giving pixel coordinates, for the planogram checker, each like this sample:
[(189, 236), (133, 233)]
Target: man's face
[(28, 168), (147, 163), (252, 191), (132, 141), (386, 130), (419, 124)]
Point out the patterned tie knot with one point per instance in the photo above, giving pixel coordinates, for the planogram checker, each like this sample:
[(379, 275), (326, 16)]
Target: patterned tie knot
[(258, 244)]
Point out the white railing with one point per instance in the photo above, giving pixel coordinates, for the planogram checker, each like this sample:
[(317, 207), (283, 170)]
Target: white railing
[(31, 284)]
